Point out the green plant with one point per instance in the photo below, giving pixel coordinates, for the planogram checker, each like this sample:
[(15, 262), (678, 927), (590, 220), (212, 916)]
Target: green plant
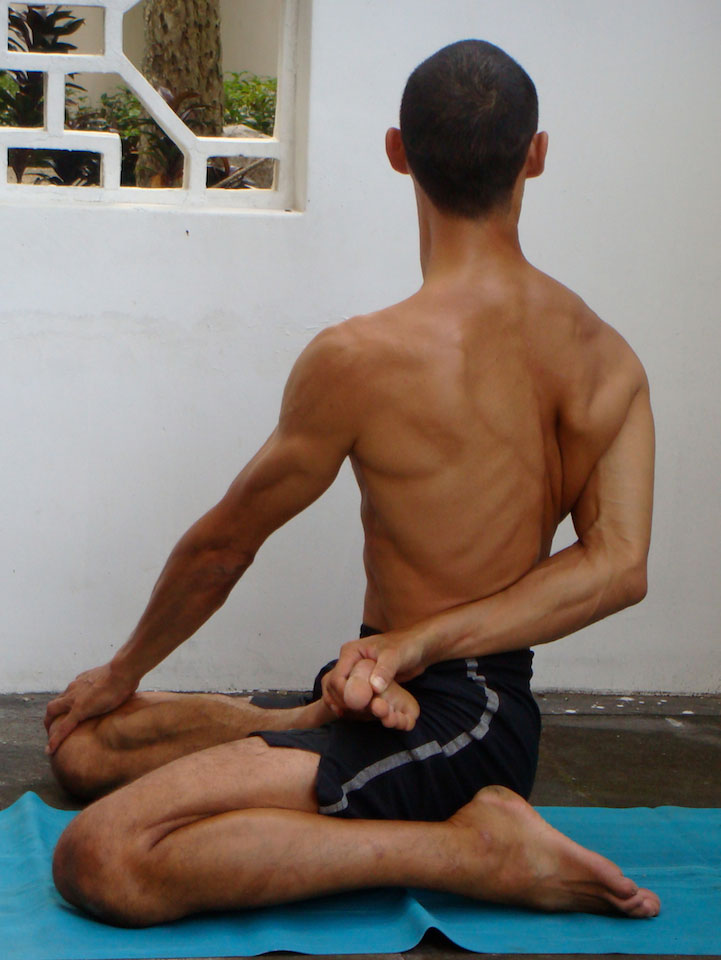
[(22, 93), (21, 99), (119, 112), (250, 99), (148, 154), (8, 92), (65, 168), (34, 29), (160, 162)]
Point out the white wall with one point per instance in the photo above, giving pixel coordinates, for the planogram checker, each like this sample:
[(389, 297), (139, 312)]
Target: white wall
[(143, 351)]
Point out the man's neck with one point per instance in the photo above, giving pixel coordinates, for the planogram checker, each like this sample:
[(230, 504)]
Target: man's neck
[(460, 247)]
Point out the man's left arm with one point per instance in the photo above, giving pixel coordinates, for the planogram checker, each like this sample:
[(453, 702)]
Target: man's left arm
[(600, 574)]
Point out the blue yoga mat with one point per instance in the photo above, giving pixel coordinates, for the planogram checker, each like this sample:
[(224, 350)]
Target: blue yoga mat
[(674, 851)]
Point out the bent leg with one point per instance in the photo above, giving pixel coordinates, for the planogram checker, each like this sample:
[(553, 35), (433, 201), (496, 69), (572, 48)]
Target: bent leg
[(236, 830), (124, 829), (152, 729)]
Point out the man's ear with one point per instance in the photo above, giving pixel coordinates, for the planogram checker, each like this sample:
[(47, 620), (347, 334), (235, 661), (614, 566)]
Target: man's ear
[(536, 159), (396, 151)]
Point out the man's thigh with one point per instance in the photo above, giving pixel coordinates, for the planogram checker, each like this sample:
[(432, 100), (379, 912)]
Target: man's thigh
[(232, 776)]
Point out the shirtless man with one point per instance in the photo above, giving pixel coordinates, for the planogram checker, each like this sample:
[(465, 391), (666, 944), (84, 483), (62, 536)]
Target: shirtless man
[(477, 414)]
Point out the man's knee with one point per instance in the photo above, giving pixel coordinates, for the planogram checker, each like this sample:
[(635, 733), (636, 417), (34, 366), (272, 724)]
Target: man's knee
[(82, 763), (100, 869), (93, 759)]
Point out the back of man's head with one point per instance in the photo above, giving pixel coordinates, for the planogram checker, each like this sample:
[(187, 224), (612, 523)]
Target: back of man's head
[(468, 115)]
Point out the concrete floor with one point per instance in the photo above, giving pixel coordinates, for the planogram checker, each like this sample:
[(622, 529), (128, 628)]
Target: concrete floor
[(645, 750)]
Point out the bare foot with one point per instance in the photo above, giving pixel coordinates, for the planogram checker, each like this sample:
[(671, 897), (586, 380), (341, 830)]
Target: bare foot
[(314, 714), (200, 719), (533, 865), (395, 708)]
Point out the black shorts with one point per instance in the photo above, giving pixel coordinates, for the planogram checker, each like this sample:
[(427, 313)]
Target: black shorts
[(478, 725)]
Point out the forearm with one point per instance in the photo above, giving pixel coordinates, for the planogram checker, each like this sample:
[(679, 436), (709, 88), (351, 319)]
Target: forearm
[(564, 593), (195, 582), (603, 572)]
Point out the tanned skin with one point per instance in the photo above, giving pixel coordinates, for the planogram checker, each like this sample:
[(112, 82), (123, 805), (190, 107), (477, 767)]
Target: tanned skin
[(477, 414), (511, 405)]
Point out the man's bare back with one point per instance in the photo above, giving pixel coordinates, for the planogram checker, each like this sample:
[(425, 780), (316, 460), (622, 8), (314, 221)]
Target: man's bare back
[(492, 404), (485, 404)]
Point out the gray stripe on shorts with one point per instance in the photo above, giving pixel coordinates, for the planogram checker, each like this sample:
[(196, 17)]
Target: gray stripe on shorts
[(426, 750)]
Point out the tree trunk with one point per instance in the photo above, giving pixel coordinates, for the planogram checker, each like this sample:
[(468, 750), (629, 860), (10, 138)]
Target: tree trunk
[(182, 57)]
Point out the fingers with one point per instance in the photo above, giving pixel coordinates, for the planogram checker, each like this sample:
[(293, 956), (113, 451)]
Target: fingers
[(385, 670), (334, 682), (395, 658), (332, 690), (91, 694), (358, 692), (350, 654), (60, 730), (55, 708)]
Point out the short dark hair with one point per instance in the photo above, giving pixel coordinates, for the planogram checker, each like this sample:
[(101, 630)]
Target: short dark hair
[(468, 115)]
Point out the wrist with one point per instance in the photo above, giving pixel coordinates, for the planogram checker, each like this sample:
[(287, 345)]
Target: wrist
[(450, 635), (430, 640), (124, 671)]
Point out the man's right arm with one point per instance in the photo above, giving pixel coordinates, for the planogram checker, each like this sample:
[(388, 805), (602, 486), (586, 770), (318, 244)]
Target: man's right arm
[(315, 432)]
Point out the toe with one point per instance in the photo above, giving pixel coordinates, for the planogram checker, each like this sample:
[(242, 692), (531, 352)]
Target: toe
[(625, 888), (380, 708), (651, 904), (642, 904), (393, 720)]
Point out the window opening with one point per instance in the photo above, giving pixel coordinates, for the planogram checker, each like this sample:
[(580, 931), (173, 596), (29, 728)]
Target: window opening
[(51, 28), (76, 81), (60, 168), (22, 98), (241, 173)]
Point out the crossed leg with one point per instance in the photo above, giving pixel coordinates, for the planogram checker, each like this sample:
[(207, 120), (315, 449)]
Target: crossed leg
[(152, 729), (235, 826)]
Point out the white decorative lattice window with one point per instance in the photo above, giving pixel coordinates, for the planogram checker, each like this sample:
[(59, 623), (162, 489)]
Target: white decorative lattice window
[(239, 151)]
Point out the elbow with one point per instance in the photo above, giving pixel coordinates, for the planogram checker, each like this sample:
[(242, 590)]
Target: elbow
[(228, 566), (620, 578), (215, 568), (218, 572), (632, 582)]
